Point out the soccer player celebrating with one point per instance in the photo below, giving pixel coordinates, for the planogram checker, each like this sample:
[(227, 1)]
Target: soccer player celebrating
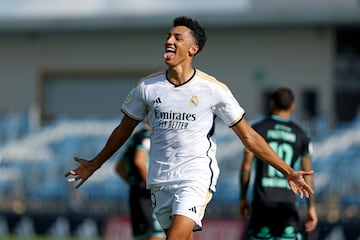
[(181, 104)]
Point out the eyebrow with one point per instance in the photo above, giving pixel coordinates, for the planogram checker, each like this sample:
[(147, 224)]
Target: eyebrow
[(178, 34), (175, 34)]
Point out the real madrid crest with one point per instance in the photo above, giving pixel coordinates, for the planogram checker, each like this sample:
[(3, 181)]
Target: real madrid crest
[(194, 101)]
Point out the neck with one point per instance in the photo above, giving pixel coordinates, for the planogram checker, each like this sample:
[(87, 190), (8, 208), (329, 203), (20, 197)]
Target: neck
[(282, 114), (179, 75)]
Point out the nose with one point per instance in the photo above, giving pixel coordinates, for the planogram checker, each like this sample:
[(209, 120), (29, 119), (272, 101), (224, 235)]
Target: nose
[(170, 39)]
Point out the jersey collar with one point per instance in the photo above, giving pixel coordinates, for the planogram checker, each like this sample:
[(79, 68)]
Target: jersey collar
[(192, 76), (281, 119)]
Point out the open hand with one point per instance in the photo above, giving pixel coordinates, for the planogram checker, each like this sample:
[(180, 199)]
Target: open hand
[(83, 172), (298, 184)]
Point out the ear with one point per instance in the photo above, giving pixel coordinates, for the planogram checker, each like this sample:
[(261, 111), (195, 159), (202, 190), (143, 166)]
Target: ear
[(194, 50), (292, 107)]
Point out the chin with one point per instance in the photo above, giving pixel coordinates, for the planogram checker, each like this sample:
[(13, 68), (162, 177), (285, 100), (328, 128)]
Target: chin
[(168, 62)]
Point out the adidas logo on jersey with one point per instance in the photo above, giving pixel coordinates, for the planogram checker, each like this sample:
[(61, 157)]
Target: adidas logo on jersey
[(157, 100)]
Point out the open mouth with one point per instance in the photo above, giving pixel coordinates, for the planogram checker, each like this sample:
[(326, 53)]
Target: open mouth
[(169, 52)]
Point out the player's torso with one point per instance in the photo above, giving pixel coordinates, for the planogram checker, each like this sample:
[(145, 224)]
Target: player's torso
[(286, 140), (180, 115), (182, 121)]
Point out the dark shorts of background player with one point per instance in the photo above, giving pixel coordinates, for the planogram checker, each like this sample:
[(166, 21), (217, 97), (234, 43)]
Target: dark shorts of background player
[(143, 221), (269, 221)]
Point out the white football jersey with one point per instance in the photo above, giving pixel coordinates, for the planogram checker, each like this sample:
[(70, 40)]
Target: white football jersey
[(182, 119)]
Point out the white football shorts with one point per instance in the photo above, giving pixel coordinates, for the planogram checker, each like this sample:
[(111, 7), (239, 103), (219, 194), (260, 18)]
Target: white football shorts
[(186, 198)]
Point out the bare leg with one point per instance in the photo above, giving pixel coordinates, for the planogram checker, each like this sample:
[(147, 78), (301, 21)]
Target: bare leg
[(181, 228)]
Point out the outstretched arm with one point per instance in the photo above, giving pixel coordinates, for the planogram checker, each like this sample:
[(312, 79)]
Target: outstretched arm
[(256, 144), (117, 138)]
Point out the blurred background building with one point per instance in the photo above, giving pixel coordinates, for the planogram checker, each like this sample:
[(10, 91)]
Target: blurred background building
[(66, 67)]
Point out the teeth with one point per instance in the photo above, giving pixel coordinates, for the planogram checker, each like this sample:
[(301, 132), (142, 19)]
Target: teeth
[(170, 50)]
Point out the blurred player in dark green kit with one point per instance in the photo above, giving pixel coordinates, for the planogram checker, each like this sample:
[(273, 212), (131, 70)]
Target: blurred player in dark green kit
[(133, 168), (273, 213)]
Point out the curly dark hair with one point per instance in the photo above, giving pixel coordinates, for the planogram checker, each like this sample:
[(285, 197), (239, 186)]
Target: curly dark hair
[(197, 31)]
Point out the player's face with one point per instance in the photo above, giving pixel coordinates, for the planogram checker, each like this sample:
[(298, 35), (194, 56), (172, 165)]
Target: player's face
[(180, 46)]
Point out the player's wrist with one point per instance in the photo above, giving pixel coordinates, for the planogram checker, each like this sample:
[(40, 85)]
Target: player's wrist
[(288, 173), (94, 165)]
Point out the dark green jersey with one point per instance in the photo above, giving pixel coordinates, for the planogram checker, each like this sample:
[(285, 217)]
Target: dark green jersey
[(290, 142), (140, 140)]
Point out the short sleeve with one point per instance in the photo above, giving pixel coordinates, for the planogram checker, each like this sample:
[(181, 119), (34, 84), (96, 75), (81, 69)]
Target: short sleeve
[(134, 105), (227, 107), (308, 147)]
